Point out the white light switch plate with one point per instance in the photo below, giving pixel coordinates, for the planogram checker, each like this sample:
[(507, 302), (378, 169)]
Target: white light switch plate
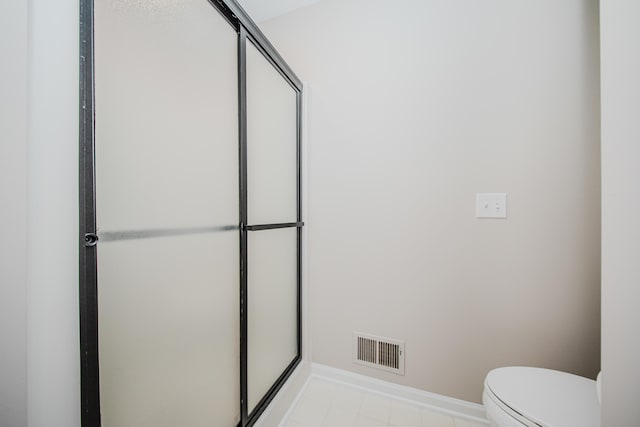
[(491, 205)]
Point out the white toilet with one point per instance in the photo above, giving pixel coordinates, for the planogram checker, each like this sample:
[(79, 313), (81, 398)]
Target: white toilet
[(536, 397)]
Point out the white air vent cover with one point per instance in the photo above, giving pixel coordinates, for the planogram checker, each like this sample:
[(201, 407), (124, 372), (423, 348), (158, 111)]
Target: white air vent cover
[(378, 352)]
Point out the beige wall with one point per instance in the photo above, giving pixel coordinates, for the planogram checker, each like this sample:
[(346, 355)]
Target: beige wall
[(414, 107), (13, 213), (620, 38)]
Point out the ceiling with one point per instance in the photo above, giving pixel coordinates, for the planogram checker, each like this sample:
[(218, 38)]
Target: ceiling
[(263, 10)]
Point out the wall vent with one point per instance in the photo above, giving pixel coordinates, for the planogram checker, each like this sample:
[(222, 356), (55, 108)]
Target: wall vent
[(378, 352)]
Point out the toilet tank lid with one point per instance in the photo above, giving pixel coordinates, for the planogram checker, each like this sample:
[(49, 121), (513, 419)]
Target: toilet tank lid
[(546, 397)]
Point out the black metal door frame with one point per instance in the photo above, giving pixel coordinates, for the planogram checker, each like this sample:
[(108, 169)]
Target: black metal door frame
[(88, 237)]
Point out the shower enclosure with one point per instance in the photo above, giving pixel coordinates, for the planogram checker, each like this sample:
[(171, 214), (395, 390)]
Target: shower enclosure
[(190, 215)]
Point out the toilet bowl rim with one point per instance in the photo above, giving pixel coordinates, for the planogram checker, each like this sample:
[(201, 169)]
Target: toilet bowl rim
[(522, 419)]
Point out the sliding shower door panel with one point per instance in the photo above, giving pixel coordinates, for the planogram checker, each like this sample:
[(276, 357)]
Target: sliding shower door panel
[(271, 143), (272, 230), (167, 115), (168, 331), (272, 308), (166, 170)]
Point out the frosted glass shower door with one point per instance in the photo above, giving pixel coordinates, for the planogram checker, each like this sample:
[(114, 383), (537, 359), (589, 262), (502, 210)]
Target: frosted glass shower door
[(272, 212), (166, 150)]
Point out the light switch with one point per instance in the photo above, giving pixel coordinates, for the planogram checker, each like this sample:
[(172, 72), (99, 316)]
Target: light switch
[(491, 205)]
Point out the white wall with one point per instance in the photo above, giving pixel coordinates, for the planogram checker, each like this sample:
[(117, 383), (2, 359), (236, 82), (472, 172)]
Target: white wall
[(415, 107), (13, 213), (53, 358), (38, 214), (620, 43)]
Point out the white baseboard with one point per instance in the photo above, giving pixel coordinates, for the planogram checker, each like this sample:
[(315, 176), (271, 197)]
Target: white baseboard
[(448, 405), (283, 403)]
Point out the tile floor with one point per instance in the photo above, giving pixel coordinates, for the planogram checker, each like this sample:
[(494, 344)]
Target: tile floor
[(325, 403)]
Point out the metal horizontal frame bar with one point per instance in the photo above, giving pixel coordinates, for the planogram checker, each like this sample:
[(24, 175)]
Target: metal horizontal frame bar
[(112, 236), (274, 63), (262, 41), (260, 227)]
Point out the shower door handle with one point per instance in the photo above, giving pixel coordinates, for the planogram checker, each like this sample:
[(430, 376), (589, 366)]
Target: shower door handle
[(90, 240)]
